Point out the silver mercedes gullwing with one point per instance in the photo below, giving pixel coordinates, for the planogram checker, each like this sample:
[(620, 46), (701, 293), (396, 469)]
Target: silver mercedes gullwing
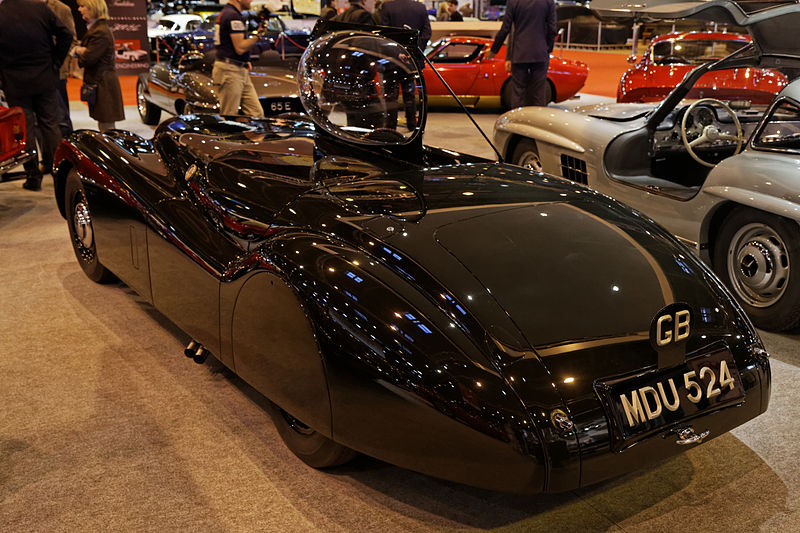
[(722, 176)]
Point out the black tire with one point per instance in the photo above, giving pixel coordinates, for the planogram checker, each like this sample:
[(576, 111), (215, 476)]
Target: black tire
[(549, 93), (81, 231), (149, 113), (311, 447), (753, 255), (526, 154)]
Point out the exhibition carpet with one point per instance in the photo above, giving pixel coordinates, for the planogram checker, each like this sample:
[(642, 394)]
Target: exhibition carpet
[(605, 69)]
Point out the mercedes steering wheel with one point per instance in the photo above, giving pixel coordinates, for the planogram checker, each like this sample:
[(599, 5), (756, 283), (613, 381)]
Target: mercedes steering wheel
[(711, 133)]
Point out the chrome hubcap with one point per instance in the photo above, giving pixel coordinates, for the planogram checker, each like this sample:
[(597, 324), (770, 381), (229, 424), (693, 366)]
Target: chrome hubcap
[(758, 265), (530, 160), (83, 225)]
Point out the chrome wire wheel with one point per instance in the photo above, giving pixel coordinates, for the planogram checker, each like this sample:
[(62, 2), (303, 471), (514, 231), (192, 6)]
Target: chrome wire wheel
[(758, 265), (149, 113), (141, 102), (82, 230)]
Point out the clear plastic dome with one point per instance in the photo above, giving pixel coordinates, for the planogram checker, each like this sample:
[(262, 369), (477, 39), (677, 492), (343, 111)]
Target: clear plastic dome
[(362, 87)]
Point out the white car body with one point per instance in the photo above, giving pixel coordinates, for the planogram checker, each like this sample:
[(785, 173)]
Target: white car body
[(636, 154), (177, 24)]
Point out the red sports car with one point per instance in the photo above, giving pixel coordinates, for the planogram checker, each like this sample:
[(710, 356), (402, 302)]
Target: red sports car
[(12, 140), (482, 82), (669, 57)]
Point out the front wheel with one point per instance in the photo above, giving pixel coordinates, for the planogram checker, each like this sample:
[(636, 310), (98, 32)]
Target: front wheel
[(148, 112), (754, 256), (526, 154), (310, 446), (81, 230)]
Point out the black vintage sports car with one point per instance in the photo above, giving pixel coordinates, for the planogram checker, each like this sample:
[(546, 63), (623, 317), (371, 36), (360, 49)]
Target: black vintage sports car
[(183, 85), (464, 318)]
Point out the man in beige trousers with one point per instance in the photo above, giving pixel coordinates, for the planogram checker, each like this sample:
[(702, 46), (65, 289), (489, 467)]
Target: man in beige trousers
[(231, 73)]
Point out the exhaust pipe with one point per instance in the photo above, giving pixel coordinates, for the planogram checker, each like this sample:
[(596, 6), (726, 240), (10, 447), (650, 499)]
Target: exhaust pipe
[(191, 348), (200, 355), (196, 351)]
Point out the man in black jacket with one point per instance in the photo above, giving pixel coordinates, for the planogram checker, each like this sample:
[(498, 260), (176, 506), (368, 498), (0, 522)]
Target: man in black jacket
[(33, 45), (528, 54), (402, 13)]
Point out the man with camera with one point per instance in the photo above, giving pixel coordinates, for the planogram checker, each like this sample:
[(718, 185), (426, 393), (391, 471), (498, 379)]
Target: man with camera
[(231, 72)]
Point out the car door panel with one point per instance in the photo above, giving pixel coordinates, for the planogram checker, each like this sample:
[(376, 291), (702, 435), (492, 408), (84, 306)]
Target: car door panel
[(187, 256), (162, 89)]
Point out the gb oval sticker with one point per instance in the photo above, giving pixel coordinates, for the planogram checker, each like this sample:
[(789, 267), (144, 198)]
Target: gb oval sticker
[(672, 325)]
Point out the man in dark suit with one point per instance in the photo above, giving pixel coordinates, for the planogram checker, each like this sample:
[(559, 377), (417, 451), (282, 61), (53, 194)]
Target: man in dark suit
[(33, 45), (401, 13), (64, 14), (528, 53)]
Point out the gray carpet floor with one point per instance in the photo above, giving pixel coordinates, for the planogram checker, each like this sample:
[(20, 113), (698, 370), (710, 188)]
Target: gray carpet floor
[(106, 426)]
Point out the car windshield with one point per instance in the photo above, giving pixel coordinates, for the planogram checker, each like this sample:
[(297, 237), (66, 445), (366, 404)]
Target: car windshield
[(693, 52), (165, 24)]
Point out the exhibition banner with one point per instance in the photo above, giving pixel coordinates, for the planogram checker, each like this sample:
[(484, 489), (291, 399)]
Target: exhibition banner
[(128, 22)]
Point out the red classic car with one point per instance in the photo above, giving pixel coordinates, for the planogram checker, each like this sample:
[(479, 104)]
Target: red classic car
[(669, 57), (482, 82), (12, 140)]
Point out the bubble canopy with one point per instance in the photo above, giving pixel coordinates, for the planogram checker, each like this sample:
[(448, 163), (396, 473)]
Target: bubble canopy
[(362, 87)]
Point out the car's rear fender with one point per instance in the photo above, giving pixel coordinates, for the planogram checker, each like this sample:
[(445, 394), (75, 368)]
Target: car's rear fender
[(757, 200), (741, 181), (407, 385)]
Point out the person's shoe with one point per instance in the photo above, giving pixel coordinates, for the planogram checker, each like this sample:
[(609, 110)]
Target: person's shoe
[(33, 184)]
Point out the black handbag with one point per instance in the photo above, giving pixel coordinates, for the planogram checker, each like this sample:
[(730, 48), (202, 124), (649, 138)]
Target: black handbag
[(89, 93)]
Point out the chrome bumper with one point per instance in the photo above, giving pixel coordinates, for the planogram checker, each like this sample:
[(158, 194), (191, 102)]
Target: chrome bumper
[(15, 161)]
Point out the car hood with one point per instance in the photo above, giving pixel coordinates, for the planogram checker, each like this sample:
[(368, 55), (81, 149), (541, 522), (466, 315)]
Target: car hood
[(615, 112), (767, 27)]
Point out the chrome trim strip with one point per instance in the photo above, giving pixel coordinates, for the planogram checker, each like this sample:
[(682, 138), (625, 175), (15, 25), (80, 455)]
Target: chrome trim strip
[(24, 157)]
